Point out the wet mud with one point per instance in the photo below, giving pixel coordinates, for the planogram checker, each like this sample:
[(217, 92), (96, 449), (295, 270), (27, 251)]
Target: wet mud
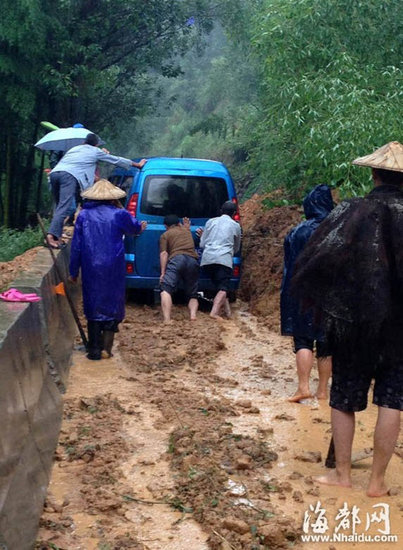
[(185, 440), (9, 270)]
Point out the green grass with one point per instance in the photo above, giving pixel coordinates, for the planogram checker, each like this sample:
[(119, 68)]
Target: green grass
[(14, 242)]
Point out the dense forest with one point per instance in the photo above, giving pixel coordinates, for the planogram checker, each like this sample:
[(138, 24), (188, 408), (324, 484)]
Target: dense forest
[(285, 92)]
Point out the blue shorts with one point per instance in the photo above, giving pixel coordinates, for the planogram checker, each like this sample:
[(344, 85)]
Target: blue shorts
[(322, 349), (181, 269)]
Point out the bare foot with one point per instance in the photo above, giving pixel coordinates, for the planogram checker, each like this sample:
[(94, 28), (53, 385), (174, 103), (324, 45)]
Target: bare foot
[(227, 309), (299, 396), (321, 395), (217, 317), (332, 478), (51, 241), (193, 319), (377, 489)]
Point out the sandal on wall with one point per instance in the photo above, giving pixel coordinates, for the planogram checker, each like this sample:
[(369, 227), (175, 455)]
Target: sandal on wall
[(14, 295)]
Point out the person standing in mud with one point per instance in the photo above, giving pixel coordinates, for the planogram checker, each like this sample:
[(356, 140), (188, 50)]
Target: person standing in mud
[(317, 205), (97, 249), (178, 260), (351, 272), (220, 240)]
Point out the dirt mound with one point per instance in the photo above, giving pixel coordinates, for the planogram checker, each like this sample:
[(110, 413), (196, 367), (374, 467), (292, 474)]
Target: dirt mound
[(10, 270), (262, 268)]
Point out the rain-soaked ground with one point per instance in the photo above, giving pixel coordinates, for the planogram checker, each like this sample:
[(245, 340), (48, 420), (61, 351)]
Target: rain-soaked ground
[(185, 440)]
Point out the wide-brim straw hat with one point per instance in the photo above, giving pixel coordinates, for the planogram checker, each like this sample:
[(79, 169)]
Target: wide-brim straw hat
[(387, 157), (103, 190)]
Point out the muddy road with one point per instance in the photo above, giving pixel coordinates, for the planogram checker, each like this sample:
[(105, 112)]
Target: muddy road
[(185, 440)]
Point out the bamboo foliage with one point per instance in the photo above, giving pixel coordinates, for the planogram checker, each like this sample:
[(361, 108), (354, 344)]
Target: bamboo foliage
[(79, 60), (332, 90)]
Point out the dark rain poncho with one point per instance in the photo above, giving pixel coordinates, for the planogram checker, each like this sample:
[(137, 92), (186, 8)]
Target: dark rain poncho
[(97, 248), (351, 272), (317, 205)]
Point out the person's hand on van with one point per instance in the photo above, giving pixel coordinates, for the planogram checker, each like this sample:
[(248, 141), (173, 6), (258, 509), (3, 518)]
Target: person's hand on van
[(143, 226), (186, 222), (139, 164)]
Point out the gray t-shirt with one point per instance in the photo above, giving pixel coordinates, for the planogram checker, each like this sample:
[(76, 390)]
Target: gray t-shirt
[(81, 161), (221, 239)]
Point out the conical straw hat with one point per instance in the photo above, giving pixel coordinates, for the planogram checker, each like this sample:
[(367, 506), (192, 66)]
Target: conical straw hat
[(387, 157), (103, 190)]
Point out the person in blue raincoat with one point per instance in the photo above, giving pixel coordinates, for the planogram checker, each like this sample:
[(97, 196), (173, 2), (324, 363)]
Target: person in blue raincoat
[(97, 249), (317, 205)]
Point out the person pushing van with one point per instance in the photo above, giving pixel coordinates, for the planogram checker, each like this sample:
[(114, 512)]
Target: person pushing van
[(178, 260), (220, 240)]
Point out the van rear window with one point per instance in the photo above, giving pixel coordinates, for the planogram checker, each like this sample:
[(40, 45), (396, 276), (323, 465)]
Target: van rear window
[(191, 196)]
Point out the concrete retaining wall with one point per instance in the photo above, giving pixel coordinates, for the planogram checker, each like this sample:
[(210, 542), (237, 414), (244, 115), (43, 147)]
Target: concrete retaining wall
[(36, 341)]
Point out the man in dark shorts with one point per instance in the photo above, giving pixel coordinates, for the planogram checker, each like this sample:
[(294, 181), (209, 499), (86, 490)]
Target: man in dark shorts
[(318, 204), (351, 272), (179, 263), (220, 240)]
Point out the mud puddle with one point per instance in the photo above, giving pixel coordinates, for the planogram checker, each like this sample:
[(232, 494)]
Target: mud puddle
[(185, 440), (300, 434), (129, 511)]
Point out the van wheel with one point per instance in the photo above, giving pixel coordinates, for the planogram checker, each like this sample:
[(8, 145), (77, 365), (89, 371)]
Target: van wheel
[(231, 295)]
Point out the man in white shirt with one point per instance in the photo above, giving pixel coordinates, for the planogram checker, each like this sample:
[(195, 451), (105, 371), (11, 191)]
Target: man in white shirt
[(220, 240), (73, 173)]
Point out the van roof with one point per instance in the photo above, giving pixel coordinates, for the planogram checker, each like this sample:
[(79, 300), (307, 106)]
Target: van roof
[(185, 164)]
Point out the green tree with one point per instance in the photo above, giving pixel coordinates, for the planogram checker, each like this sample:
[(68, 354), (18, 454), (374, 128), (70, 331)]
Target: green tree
[(207, 111), (92, 61), (21, 35), (332, 90)]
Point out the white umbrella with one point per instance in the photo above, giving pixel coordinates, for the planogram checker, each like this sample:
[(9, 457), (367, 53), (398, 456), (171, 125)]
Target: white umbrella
[(62, 139)]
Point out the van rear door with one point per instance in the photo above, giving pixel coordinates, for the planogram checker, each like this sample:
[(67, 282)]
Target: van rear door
[(197, 197)]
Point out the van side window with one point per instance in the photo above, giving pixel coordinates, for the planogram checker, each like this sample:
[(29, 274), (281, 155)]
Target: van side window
[(192, 196), (115, 180), (126, 183)]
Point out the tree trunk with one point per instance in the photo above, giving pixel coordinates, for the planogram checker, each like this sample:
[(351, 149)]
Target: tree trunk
[(39, 184), (7, 186), (25, 183)]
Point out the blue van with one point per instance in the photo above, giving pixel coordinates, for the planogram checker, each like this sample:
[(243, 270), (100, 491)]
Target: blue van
[(186, 187)]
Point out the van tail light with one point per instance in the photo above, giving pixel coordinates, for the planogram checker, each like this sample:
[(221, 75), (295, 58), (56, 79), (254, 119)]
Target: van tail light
[(236, 271), (237, 216), (132, 204), (129, 268)]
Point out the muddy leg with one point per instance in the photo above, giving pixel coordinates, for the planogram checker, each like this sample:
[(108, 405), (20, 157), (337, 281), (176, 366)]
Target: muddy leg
[(324, 371), (166, 306), (218, 304), (385, 437), (304, 359), (343, 425), (227, 308), (193, 306)]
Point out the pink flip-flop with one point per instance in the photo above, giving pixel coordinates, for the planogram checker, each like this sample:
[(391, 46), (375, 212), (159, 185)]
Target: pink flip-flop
[(14, 295)]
